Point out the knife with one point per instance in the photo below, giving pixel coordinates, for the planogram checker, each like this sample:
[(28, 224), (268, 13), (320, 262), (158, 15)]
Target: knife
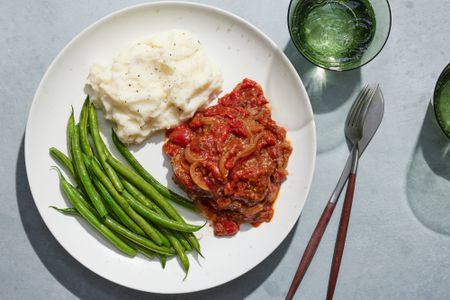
[(374, 115)]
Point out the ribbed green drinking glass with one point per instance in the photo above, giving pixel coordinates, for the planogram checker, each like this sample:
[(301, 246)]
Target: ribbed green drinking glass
[(339, 35)]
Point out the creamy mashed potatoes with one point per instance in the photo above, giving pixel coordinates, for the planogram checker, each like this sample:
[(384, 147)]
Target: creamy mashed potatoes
[(154, 84)]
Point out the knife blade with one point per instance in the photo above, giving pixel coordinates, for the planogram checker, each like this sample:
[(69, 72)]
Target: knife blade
[(371, 124)]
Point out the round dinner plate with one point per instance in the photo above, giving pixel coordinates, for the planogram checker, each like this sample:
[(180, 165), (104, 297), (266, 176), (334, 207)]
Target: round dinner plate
[(241, 50)]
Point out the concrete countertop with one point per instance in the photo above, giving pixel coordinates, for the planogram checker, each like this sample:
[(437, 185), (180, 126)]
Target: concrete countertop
[(398, 244)]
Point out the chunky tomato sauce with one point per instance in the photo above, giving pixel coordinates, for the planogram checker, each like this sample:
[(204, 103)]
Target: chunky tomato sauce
[(231, 159)]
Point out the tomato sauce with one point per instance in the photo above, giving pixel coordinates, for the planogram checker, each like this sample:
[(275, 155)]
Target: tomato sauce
[(231, 159)]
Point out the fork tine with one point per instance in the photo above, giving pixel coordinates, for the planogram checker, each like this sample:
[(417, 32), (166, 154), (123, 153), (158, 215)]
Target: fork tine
[(361, 94), (356, 105), (365, 106), (361, 104), (359, 107)]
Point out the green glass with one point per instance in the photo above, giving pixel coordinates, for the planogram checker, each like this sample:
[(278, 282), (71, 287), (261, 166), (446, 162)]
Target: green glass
[(339, 34), (441, 100)]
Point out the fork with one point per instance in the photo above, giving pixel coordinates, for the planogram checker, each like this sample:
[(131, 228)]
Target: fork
[(353, 133), (354, 121)]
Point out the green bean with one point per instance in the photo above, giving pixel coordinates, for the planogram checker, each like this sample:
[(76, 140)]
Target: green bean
[(129, 198), (178, 249), (70, 211), (147, 202), (105, 195), (70, 129), (145, 226), (143, 199), (83, 175), (148, 253), (63, 159), (73, 211), (192, 239), (78, 202), (144, 242), (84, 137), (137, 194), (182, 240), (88, 205), (163, 260), (67, 163), (145, 187), (148, 177), (93, 179), (158, 219), (100, 148), (112, 224), (117, 209), (150, 191)]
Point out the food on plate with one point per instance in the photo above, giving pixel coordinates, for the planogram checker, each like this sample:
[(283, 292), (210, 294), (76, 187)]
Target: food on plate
[(154, 83), (148, 177), (130, 213), (231, 159)]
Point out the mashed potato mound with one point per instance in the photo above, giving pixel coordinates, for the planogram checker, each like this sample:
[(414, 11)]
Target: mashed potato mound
[(154, 84)]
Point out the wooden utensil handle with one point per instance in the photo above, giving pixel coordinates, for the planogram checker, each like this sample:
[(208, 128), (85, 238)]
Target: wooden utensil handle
[(311, 249), (341, 236)]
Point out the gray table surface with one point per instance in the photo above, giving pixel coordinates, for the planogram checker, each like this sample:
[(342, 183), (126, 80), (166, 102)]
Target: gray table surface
[(398, 244)]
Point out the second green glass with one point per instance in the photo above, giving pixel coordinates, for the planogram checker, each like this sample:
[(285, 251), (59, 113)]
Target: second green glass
[(441, 100), (339, 34)]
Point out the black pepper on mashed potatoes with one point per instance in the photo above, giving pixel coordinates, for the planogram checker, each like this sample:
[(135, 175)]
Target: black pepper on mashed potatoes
[(154, 84)]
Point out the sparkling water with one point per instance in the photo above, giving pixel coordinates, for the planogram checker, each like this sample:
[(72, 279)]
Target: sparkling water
[(333, 34)]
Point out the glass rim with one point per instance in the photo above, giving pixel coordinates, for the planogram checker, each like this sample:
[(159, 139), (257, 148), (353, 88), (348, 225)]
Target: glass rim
[(341, 70), (435, 100)]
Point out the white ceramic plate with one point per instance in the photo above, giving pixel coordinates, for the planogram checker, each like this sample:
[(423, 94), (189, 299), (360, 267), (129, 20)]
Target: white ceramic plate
[(241, 51)]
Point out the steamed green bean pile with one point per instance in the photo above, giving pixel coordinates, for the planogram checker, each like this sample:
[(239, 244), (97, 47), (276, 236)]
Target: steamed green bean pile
[(127, 206)]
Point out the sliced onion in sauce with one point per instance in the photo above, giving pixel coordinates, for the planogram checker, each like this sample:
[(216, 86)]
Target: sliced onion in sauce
[(246, 151), (185, 164), (251, 147), (196, 176), (190, 157)]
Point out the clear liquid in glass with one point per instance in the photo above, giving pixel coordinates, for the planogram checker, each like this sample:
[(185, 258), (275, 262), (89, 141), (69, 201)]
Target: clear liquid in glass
[(333, 33)]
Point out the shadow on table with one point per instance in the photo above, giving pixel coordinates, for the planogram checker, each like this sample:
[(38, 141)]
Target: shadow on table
[(87, 285), (428, 178), (329, 92)]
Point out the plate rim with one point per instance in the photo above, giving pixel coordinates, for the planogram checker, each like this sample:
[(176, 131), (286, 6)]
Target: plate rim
[(194, 5)]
